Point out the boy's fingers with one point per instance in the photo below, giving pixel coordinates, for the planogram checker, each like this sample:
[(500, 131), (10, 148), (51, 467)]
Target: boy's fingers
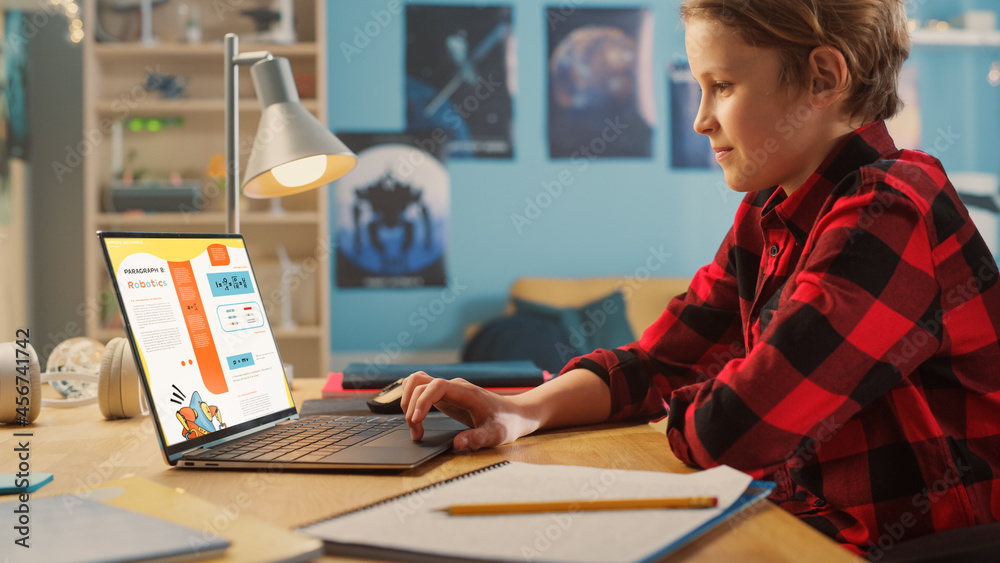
[(461, 441), (429, 394), (456, 392), (416, 430), (457, 398), (486, 436), (411, 408), (414, 379), (415, 422)]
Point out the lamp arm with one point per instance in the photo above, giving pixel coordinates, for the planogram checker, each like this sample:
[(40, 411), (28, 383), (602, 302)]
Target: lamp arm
[(233, 61), (251, 58)]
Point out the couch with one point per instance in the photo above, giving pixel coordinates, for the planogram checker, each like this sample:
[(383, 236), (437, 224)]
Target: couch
[(546, 317), (644, 299)]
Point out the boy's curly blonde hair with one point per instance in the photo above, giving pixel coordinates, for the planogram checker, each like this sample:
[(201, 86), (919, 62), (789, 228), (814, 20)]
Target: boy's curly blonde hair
[(872, 35)]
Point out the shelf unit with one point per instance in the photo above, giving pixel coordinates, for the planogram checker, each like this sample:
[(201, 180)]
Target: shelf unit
[(114, 74)]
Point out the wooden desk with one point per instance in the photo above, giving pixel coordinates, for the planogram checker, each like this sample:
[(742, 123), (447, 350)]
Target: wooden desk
[(82, 449)]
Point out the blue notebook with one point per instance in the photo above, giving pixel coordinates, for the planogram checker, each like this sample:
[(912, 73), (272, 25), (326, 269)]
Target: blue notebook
[(484, 374), (71, 529), (412, 527), (13, 484)]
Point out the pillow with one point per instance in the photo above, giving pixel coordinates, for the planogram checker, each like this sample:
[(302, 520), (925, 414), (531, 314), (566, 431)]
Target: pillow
[(601, 324), (543, 340)]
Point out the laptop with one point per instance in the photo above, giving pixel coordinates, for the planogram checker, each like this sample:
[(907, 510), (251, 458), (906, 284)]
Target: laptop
[(211, 370)]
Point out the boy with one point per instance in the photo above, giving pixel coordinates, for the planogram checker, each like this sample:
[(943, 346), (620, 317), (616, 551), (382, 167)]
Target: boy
[(844, 342)]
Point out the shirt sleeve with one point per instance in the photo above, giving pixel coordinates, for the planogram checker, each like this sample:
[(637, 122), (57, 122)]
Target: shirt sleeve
[(694, 338), (852, 328)]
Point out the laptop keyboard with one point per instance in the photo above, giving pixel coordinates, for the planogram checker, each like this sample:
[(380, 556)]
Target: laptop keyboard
[(304, 440)]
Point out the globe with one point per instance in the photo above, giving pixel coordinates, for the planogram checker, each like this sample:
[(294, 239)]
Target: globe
[(78, 354)]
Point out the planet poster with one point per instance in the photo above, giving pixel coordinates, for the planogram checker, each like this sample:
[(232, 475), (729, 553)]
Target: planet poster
[(461, 77), (391, 214), (600, 82)]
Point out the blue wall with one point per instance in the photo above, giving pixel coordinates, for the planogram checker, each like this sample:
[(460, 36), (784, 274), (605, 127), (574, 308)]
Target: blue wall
[(960, 109), (606, 221)]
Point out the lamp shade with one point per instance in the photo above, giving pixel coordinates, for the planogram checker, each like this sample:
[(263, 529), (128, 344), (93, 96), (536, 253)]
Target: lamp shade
[(292, 151)]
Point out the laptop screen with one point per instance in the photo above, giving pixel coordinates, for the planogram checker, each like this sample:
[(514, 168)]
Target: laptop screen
[(195, 314)]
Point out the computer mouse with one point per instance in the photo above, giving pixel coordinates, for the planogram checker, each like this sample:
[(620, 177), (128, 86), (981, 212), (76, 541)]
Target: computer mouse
[(387, 400)]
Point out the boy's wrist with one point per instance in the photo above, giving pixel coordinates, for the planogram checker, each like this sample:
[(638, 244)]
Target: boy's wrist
[(576, 397), (529, 408)]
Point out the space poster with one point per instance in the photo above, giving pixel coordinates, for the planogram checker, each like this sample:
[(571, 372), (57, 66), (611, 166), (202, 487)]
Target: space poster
[(461, 77), (391, 214), (601, 101)]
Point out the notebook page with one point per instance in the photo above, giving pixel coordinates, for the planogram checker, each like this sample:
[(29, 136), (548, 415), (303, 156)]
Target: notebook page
[(414, 523)]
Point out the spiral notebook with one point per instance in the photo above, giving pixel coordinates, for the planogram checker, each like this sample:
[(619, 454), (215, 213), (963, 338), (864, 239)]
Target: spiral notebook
[(412, 527)]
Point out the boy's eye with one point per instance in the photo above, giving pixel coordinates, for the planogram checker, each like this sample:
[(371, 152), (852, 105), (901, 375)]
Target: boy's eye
[(722, 86)]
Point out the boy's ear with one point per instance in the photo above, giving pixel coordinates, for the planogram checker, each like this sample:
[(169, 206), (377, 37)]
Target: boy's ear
[(828, 75)]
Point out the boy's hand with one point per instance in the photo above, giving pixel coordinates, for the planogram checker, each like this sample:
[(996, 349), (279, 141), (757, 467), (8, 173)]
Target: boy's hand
[(494, 419)]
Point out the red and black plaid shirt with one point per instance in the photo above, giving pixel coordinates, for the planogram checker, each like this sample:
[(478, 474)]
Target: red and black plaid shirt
[(843, 343)]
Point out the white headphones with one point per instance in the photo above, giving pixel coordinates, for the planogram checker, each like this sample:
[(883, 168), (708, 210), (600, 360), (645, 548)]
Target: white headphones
[(118, 390)]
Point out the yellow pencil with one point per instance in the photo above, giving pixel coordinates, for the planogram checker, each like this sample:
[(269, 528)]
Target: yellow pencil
[(579, 505)]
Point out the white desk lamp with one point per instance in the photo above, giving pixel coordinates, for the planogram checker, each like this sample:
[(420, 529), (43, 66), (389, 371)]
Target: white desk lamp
[(292, 152)]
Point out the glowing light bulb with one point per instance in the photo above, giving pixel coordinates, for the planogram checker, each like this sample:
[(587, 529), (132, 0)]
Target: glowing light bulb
[(994, 76), (300, 172)]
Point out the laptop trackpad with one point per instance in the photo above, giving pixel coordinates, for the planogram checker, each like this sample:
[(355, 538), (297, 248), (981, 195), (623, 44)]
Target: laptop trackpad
[(397, 447)]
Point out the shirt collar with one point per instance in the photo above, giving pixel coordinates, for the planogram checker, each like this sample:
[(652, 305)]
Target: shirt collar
[(799, 211)]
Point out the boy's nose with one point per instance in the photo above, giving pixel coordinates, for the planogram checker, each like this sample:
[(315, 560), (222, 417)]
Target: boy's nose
[(704, 122)]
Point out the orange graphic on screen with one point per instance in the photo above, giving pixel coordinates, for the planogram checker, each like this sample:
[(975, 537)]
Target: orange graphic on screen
[(189, 421), (197, 418), (198, 327), (218, 255)]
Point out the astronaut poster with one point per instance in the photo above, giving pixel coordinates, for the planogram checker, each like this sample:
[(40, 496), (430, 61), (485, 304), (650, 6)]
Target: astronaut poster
[(461, 77), (600, 82), (391, 214)]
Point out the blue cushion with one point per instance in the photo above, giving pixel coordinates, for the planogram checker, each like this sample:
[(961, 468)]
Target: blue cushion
[(601, 324), (542, 340)]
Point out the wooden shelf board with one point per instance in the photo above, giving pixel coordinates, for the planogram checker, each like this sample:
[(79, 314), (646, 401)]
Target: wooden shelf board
[(302, 332), (285, 218), (183, 105), (214, 218), (105, 220), (136, 50)]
